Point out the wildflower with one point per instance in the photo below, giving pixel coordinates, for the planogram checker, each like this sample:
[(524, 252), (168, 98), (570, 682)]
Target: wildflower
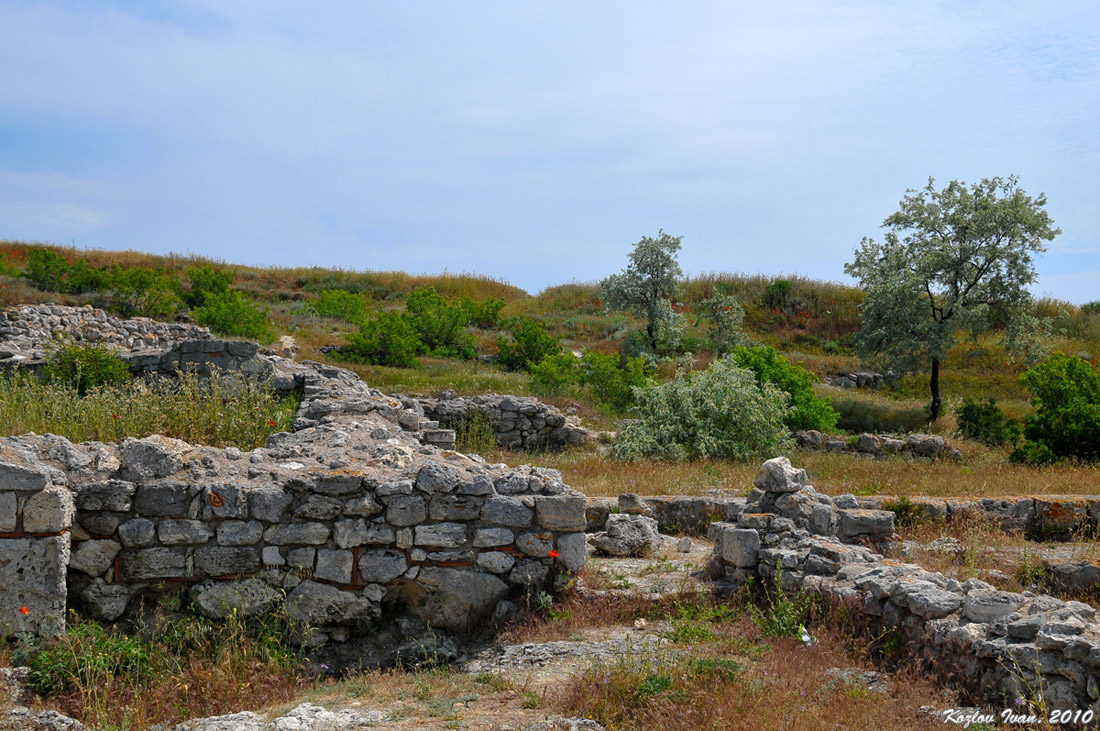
[(271, 422), (25, 611), (554, 554), (1019, 701), (114, 416)]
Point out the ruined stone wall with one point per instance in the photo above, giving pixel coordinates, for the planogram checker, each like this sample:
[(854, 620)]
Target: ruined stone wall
[(1006, 644), (519, 422)]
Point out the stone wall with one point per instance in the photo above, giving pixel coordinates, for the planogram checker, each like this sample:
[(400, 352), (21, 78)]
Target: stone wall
[(1005, 644), (519, 422), (928, 446), (353, 510)]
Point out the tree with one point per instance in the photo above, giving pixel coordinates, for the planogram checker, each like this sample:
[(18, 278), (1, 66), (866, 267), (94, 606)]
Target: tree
[(957, 259), (648, 284)]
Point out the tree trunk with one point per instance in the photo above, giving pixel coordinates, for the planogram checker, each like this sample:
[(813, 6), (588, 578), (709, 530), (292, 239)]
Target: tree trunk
[(935, 386)]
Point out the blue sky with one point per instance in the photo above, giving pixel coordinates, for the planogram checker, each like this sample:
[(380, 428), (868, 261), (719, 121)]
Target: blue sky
[(536, 142)]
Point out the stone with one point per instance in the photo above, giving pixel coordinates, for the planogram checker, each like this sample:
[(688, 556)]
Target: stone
[(363, 507), (506, 511), (272, 556), (22, 479), (489, 537), (534, 544), (869, 444), (628, 535), (116, 495), (632, 504), (319, 507), (152, 457), (932, 603), (561, 512), (777, 475), (269, 504), (225, 561), (103, 601), (497, 562), (334, 566), (311, 534), (528, 573), (33, 573), (302, 558), (480, 485), (167, 498), (436, 477), (99, 524), (154, 563), (394, 487), (453, 599), (855, 522), (454, 507), (49, 511), (94, 557), (318, 605), (137, 533), (925, 445), (224, 501), (442, 535), (177, 532), (381, 566), (404, 510), (986, 605), (513, 482), (246, 597), (572, 548), (239, 532), (739, 546), (9, 506), (351, 532)]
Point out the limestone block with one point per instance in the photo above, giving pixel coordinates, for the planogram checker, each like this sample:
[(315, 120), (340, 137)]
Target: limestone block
[(777, 475), (103, 601), (506, 511), (167, 498), (152, 457), (269, 504), (739, 546), (442, 535), (529, 572), (515, 482), (32, 575), (99, 524), (319, 507), (224, 501), (453, 599), (94, 557), (404, 510), (497, 562), (381, 566), (318, 605), (302, 558), (8, 512), (363, 507), (488, 537), (873, 523), (154, 563), (247, 597), (534, 544), (334, 566), (925, 445), (931, 602), (480, 485), (137, 533), (22, 479), (272, 556), (225, 561), (116, 495), (310, 534), (49, 511), (394, 487), (986, 605), (183, 532), (628, 535), (572, 548), (339, 484), (351, 532), (436, 477), (454, 507), (561, 512), (239, 532)]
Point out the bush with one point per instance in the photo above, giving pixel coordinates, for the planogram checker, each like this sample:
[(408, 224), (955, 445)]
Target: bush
[(484, 315), (555, 375), (440, 324), (611, 380), (86, 655), (145, 293), (530, 343), (859, 415), (720, 412), (725, 318), (233, 315), (986, 423), (1092, 308), (386, 339), (806, 409), (1066, 394), (341, 304), (206, 281), (46, 270), (84, 367)]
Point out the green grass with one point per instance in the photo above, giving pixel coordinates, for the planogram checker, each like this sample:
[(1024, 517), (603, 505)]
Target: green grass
[(195, 409)]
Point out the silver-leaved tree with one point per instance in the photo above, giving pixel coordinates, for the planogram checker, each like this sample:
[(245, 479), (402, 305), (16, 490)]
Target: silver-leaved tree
[(953, 260), (647, 285)]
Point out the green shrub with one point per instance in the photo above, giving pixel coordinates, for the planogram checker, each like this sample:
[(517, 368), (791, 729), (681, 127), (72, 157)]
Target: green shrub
[(1092, 308), (146, 293), (341, 304), (555, 375), (720, 412), (46, 270), (84, 367), (440, 324), (806, 409), (206, 281), (612, 380), (233, 315), (1066, 394), (530, 343), (860, 415), (781, 615), (725, 318), (83, 278), (386, 339), (484, 315), (986, 423), (85, 655)]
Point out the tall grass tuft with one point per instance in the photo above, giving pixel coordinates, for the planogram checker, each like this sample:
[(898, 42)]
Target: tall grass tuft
[(212, 411)]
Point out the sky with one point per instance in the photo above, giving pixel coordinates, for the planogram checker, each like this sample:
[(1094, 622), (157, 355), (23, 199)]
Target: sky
[(535, 142)]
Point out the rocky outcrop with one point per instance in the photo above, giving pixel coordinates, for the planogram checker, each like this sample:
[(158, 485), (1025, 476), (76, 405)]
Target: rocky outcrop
[(1008, 644)]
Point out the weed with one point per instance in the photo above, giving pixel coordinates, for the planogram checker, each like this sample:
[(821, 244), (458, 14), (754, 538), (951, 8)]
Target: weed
[(475, 435), (782, 615), (84, 367)]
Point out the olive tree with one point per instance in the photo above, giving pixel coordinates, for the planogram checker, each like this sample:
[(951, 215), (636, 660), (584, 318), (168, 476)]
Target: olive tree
[(647, 285), (952, 260)]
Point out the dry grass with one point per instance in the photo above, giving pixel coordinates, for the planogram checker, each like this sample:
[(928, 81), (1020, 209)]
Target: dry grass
[(983, 473)]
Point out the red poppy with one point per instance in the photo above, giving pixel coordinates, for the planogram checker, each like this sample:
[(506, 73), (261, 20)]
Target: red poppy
[(553, 554), (271, 422), (114, 416), (24, 610)]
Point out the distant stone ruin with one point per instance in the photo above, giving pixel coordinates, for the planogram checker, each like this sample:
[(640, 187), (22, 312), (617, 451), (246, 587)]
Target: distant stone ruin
[(354, 510)]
